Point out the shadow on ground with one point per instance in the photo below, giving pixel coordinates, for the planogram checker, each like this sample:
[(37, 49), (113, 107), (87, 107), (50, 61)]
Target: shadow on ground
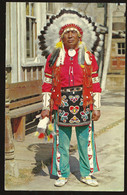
[(43, 157), (43, 154), (74, 167)]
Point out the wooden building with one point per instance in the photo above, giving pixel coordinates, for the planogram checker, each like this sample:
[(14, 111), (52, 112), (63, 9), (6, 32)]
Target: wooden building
[(116, 71), (24, 20)]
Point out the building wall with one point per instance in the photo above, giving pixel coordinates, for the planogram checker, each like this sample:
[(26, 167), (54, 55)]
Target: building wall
[(117, 62), (18, 67)]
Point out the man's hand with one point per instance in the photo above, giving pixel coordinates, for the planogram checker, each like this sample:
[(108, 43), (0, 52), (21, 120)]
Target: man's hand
[(96, 115), (45, 113)]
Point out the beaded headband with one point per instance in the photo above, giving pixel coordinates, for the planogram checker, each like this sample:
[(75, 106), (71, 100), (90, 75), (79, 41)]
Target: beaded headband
[(70, 27)]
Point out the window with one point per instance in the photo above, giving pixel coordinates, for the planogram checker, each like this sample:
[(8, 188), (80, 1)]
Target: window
[(121, 48), (100, 5), (120, 3), (50, 7), (49, 10), (31, 31)]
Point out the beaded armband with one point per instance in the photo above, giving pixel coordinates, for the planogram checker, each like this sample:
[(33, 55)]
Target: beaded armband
[(97, 101), (95, 80), (46, 100), (47, 80)]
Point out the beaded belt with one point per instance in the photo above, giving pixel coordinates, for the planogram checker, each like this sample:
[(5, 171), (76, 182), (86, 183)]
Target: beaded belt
[(71, 89)]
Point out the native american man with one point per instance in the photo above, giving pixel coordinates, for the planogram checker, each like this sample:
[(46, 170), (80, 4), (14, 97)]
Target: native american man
[(71, 43)]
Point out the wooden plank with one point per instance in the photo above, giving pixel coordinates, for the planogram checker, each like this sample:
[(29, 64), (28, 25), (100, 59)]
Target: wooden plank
[(25, 102), (25, 110), (24, 89), (18, 126), (7, 94)]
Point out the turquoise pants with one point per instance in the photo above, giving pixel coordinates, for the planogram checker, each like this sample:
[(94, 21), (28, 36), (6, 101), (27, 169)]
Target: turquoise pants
[(86, 148)]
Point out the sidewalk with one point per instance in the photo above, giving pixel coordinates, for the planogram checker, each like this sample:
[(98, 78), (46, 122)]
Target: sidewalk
[(32, 154), (112, 112)]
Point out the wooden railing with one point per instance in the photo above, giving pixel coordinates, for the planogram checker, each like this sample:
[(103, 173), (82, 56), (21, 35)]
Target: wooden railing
[(28, 73), (33, 73)]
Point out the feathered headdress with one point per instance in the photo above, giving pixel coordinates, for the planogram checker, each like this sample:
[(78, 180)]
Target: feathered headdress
[(88, 31)]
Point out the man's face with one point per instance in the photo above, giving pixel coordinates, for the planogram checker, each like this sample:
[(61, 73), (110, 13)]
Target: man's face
[(70, 39)]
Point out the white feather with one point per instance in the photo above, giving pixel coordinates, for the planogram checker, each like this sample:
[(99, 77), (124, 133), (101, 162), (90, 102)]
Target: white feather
[(98, 48), (52, 33), (96, 58), (100, 43), (98, 29), (101, 37), (96, 54), (91, 28)]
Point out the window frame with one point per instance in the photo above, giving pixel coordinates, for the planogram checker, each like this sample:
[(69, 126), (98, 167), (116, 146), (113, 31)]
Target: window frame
[(8, 39), (32, 43), (120, 48), (48, 10), (100, 5)]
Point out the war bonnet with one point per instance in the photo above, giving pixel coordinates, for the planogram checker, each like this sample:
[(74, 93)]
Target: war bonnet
[(88, 31)]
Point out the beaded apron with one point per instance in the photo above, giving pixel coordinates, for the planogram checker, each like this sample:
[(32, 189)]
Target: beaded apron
[(70, 112)]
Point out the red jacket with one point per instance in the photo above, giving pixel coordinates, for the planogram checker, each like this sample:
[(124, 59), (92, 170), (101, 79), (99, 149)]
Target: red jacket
[(71, 74)]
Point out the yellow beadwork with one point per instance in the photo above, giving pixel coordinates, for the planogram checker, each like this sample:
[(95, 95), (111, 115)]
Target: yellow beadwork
[(50, 127), (59, 44), (85, 49), (48, 138), (36, 133), (82, 65)]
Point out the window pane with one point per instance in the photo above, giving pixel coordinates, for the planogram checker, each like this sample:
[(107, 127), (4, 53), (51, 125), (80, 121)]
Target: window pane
[(118, 45), (123, 51), (123, 45), (100, 5), (29, 37), (32, 9), (32, 38), (27, 8), (50, 7), (119, 51)]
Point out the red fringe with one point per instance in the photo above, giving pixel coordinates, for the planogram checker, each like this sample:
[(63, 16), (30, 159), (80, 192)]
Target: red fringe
[(56, 94), (87, 84)]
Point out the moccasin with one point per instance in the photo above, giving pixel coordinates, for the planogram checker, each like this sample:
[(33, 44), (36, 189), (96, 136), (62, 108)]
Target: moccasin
[(89, 180), (60, 182)]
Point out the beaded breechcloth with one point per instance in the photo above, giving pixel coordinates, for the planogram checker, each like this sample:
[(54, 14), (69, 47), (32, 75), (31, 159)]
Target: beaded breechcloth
[(71, 112)]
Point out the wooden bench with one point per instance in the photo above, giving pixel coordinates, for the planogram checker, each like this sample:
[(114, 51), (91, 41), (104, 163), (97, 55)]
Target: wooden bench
[(22, 98)]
